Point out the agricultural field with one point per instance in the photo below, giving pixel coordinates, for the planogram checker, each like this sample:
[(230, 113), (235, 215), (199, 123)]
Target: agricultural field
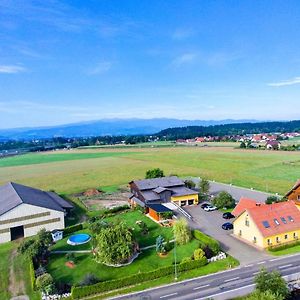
[(77, 170)]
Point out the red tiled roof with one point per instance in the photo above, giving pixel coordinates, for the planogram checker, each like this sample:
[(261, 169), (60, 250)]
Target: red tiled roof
[(243, 204), (276, 211)]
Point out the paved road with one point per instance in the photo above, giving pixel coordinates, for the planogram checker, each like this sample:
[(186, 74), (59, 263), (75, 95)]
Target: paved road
[(235, 191), (217, 285), (211, 222)]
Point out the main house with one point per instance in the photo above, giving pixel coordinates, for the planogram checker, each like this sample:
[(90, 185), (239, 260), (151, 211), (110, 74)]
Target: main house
[(153, 193), (265, 225), (25, 210), (294, 194)]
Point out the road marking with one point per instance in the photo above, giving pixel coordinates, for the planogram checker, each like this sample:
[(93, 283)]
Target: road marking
[(261, 262), (200, 287), (249, 266), (235, 278), (169, 295), (286, 266), (275, 259)]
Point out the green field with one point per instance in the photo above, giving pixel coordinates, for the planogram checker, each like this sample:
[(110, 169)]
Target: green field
[(95, 168)]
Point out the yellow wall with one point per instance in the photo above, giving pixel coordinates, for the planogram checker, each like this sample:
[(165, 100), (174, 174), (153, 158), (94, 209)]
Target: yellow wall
[(251, 231), (247, 232), (185, 198)]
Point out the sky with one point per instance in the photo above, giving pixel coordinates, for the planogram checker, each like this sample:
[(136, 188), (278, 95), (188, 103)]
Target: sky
[(71, 61)]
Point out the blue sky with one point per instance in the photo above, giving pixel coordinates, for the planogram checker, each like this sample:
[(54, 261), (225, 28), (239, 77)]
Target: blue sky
[(70, 61)]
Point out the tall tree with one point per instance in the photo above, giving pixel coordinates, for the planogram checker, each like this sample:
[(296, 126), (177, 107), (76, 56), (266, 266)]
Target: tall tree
[(154, 173), (204, 186), (182, 231), (115, 244)]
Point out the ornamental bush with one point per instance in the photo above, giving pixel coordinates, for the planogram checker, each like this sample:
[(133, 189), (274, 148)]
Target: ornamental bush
[(43, 282), (206, 241), (73, 228), (199, 254)]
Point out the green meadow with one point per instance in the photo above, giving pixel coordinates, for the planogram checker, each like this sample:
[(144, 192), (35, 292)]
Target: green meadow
[(74, 171)]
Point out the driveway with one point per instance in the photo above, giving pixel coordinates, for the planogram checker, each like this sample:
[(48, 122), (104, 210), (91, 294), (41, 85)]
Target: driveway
[(211, 222)]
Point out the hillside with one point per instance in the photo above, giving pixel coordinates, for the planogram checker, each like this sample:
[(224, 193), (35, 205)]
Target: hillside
[(229, 129)]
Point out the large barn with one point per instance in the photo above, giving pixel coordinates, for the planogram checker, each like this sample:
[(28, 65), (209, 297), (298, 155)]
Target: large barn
[(25, 210)]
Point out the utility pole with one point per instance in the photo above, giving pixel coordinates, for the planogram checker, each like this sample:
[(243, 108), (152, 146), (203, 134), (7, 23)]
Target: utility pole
[(175, 260)]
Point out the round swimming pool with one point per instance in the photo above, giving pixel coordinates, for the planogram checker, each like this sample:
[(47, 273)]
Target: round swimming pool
[(78, 239)]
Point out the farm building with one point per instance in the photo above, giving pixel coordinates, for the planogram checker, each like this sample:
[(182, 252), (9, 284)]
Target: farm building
[(25, 210), (161, 190), (265, 225)]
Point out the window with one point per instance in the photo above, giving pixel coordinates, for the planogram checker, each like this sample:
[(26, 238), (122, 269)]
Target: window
[(295, 235), (298, 197), (269, 242), (266, 224), (283, 220), (285, 237), (240, 233), (277, 239), (247, 222), (254, 239), (290, 219), (276, 222)]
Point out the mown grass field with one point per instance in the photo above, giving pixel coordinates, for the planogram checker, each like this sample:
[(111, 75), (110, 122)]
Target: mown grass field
[(78, 170)]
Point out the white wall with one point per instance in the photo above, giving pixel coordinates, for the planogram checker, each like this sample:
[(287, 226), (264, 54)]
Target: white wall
[(26, 210)]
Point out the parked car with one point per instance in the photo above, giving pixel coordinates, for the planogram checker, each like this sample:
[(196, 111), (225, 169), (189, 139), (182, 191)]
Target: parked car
[(227, 226), (210, 208), (228, 215), (205, 205)]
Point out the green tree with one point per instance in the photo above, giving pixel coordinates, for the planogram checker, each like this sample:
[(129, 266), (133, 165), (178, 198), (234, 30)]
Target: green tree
[(272, 282), (189, 183), (204, 186), (182, 231), (154, 173), (160, 248), (242, 145), (274, 199), (267, 295), (223, 199), (114, 244)]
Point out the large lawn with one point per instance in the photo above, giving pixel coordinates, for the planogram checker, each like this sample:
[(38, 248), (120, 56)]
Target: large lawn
[(77, 170), (147, 261), (129, 217)]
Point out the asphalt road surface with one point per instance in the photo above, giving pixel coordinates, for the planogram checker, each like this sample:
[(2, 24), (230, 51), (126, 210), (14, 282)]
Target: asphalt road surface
[(219, 285)]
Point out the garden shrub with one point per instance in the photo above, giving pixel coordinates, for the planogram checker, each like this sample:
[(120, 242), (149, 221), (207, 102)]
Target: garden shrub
[(199, 254), (89, 279), (32, 274), (101, 287), (73, 228), (186, 259), (44, 282), (206, 241)]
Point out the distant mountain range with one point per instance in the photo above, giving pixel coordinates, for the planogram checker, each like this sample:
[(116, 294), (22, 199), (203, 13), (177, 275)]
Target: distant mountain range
[(112, 127)]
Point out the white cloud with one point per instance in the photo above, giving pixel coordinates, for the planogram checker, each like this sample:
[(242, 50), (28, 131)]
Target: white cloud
[(182, 34), (292, 81), (185, 58), (100, 68), (10, 69)]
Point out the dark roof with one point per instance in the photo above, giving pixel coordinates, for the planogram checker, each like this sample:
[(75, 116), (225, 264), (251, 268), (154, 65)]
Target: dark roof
[(165, 182), (182, 191), (138, 201), (158, 208), (159, 190), (13, 194)]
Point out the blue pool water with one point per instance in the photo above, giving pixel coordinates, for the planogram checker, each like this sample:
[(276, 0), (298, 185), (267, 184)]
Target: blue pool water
[(78, 239)]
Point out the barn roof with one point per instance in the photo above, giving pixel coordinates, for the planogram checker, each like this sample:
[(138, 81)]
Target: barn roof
[(13, 194)]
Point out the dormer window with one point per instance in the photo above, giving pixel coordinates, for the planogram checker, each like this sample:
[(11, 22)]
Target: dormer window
[(276, 222)]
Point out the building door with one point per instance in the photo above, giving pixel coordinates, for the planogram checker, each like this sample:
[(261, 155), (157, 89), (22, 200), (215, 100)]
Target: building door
[(16, 232), (191, 202)]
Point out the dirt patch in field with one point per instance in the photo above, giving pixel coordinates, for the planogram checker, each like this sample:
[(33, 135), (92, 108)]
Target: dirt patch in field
[(105, 200), (16, 285)]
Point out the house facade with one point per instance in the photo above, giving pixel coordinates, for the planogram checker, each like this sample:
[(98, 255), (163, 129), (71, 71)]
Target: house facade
[(265, 225), (25, 210), (161, 190)]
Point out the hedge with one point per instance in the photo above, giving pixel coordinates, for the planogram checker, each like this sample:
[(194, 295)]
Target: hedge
[(284, 246), (101, 287), (32, 274), (73, 228), (207, 241)]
